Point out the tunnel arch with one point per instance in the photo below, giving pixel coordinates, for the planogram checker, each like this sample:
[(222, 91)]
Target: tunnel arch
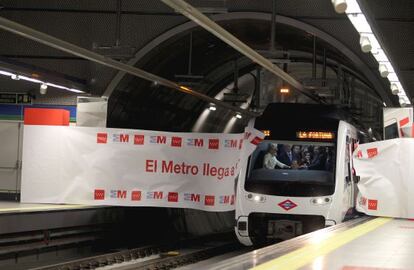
[(367, 72)]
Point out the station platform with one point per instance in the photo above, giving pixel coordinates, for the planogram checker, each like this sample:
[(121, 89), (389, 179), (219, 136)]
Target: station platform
[(8, 207), (366, 243)]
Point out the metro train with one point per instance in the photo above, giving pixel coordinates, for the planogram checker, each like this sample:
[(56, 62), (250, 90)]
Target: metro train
[(310, 185)]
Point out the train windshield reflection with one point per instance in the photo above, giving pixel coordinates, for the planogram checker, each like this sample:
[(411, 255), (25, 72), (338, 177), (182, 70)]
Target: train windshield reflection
[(292, 169)]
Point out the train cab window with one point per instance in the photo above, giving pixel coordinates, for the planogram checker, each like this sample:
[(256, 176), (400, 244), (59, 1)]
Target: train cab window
[(286, 168), (391, 131)]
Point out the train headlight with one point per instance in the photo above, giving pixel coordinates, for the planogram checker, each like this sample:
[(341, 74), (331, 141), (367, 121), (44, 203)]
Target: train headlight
[(321, 200), (256, 198)]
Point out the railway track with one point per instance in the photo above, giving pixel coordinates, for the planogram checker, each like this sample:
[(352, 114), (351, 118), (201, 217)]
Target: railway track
[(166, 256)]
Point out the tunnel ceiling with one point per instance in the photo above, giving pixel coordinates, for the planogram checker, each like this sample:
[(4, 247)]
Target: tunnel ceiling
[(92, 24)]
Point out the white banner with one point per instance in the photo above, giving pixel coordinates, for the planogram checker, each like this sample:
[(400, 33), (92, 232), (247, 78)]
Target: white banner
[(386, 169), (99, 166)]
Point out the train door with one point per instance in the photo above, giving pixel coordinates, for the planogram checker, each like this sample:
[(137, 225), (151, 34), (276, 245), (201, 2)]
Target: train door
[(354, 177), (349, 183)]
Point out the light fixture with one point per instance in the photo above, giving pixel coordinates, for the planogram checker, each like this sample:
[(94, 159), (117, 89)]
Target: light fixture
[(370, 43), (238, 115), (340, 6), (64, 88), (402, 102), (392, 77), (385, 105), (366, 46), (383, 70), (74, 90), (394, 89), (266, 132), (43, 85), (284, 90), (256, 198), (185, 88), (212, 108), (30, 79), (6, 73), (43, 89), (321, 201)]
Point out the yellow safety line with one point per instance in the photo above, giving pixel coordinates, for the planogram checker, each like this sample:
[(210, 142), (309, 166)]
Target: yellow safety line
[(307, 254), (48, 207)]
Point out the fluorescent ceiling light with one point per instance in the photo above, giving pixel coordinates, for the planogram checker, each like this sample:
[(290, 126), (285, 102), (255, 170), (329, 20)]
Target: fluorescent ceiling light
[(369, 43), (394, 89), (212, 108), (365, 43), (399, 85), (5, 73), (392, 77), (30, 79), (383, 70), (353, 7), (360, 23), (43, 84), (75, 90), (389, 67), (380, 56)]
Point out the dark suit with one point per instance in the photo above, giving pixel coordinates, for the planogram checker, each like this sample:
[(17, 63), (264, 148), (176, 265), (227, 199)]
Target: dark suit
[(286, 158), (318, 163)]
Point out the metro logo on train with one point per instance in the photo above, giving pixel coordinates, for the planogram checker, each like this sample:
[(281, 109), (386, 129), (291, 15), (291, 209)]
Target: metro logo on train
[(287, 205)]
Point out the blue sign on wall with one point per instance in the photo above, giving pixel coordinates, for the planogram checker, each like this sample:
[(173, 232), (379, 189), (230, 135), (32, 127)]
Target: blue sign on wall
[(15, 112)]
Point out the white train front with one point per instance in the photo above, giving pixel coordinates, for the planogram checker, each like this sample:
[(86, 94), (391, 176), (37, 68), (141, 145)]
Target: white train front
[(312, 184)]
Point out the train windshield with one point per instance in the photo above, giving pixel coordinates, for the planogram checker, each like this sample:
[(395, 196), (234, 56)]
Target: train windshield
[(298, 169)]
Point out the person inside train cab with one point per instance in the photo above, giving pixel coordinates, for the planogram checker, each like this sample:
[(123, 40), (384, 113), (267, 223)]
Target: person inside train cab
[(286, 155), (319, 159), (296, 153), (270, 160), (307, 158)]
